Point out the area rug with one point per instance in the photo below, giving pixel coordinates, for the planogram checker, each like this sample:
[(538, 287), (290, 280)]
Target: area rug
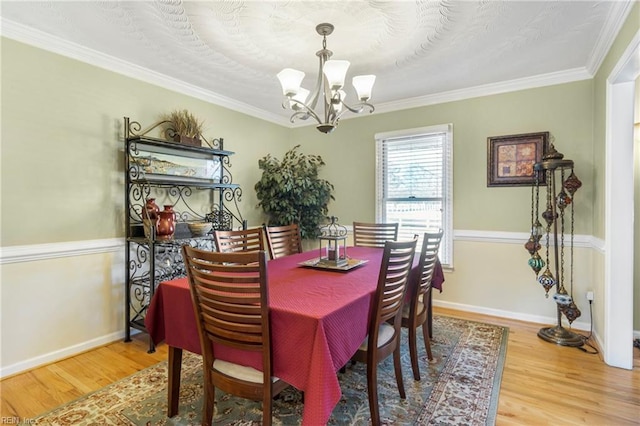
[(459, 387)]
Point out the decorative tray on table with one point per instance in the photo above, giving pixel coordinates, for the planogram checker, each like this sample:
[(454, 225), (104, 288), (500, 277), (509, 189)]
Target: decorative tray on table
[(317, 263)]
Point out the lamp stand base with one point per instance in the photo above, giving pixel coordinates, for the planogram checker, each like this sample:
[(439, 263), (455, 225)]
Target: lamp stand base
[(561, 336)]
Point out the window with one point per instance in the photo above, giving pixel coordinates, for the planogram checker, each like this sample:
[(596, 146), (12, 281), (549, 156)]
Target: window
[(414, 183)]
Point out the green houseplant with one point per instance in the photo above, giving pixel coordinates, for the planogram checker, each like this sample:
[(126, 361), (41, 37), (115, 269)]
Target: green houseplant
[(290, 191)]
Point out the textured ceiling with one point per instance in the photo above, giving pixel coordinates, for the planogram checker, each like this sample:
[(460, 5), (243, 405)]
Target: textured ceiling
[(419, 50)]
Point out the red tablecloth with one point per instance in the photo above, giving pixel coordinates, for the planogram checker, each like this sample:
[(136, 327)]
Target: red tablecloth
[(318, 320)]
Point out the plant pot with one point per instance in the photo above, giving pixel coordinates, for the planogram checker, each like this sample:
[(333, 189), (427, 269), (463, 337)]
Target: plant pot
[(185, 140)]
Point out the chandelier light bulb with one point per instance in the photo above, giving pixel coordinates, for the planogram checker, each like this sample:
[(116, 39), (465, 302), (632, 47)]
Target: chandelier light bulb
[(335, 71), (363, 85), (290, 80)]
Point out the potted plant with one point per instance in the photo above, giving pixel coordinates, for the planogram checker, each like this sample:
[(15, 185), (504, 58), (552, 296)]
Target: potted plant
[(290, 191), (184, 127)]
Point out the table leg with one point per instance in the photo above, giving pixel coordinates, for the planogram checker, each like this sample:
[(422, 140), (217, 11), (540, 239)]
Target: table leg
[(430, 314), (175, 369)]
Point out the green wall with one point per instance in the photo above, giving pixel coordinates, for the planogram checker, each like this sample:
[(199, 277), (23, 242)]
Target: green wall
[(563, 110), (62, 160)]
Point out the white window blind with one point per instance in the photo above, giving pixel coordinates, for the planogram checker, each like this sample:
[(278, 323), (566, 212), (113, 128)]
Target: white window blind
[(414, 183)]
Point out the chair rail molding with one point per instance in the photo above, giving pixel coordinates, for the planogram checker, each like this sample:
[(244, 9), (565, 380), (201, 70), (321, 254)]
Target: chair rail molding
[(584, 241), (35, 252)]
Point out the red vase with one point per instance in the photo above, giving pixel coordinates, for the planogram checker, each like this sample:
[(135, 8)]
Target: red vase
[(151, 209), (166, 225)]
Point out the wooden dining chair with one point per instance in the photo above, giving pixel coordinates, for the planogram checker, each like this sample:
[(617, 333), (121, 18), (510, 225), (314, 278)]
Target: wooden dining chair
[(283, 240), (230, 300), (239, 240), (384, 327), (374, 234), (415, 312)]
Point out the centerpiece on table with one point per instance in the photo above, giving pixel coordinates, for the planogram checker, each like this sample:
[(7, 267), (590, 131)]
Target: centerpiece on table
[(333, 244)]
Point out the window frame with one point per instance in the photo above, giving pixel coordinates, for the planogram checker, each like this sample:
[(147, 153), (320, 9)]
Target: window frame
[(446, 247)]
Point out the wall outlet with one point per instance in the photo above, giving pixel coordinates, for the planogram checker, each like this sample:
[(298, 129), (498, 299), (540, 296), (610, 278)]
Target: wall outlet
[(590, 296)]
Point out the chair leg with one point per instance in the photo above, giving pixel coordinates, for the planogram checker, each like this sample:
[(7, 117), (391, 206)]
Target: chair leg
[(267, 411), (209, 401), (413, 351), (397, 366), (372, 387), (427, 342), (175, 368), (430, 314)]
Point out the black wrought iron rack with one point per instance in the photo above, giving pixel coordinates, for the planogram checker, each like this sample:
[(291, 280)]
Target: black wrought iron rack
[(197, 182)]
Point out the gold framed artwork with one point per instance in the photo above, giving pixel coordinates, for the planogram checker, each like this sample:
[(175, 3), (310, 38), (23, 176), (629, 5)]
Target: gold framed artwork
[(510, 159)]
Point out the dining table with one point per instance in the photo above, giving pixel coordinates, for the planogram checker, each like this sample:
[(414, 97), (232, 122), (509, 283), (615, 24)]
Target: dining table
[(319, 318)]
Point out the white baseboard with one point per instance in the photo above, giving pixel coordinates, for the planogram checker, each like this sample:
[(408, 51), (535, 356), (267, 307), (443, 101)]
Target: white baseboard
[(538, 319), (44, 359)]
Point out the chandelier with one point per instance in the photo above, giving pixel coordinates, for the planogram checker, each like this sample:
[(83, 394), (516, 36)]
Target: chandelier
[(328, 90)]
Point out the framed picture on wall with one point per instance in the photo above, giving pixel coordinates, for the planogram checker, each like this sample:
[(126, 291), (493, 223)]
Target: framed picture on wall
[(510, 159)]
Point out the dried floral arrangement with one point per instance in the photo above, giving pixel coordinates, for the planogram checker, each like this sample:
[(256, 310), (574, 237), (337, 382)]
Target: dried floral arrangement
[(185, 123)]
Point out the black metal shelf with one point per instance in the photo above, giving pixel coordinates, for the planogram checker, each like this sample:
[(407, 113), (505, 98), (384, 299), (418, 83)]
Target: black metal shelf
[(170, 181), (196, 181), (169, 242), (163, 145)]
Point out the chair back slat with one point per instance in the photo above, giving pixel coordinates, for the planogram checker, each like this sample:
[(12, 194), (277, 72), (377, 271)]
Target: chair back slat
[(229, 294), (374, 234), (397, 261), (231, 303), (239, 240), (283, 240), (428, 258), (417, 312)]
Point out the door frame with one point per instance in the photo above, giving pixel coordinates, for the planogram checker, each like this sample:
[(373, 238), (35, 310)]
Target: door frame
[(619, 208)]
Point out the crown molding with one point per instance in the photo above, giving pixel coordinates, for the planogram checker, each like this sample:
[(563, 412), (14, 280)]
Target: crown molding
[(541, 80), (42, 40), (615, 20), (63, 47)]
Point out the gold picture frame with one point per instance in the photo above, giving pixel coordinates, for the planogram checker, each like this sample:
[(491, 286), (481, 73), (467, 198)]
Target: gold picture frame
[(510, 159)]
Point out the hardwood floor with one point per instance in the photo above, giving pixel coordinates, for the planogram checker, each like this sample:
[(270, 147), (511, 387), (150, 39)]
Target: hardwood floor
[(547, 384), (542, 383)]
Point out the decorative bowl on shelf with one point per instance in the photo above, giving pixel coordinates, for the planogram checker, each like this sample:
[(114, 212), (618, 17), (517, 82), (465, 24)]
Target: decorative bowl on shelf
[(199, 229)]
